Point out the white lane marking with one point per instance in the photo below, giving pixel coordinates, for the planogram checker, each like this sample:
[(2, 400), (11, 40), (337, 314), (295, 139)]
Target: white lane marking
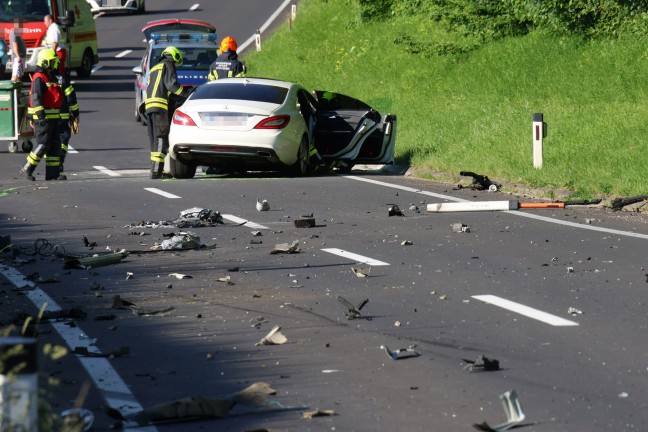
[(514, 212), (242, 221), (96, 68), (123, 53), (525, 310), (355, 257), (105, 170), (161, 192), (72, 149), (265, 25), (98, 15), (113, 389), (194, 7)]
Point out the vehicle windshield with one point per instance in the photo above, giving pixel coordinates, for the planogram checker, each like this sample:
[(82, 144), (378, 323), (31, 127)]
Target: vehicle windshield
[(240, 91), (29, 10), (195, 59)]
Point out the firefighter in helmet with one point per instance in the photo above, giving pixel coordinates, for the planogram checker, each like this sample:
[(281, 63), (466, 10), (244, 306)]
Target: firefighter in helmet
[(227, 65), (163, 82), (44, 111)]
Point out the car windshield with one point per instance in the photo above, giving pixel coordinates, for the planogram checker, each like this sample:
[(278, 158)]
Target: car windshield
[(195, 59), (241, 91), (29, 10)]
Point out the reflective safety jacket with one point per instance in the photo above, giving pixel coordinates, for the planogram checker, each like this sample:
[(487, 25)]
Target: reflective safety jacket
[(227, 65), (45, 97), (162, 82), (70, 106)]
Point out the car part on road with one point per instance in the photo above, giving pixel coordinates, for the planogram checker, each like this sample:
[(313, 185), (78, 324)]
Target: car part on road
[(262, 205), (96, 260), (482, 363), (501, 205), (286, 248), (394, 210), (513, 411), (400, 353), (619, 203), (304, 222), (479, 182), (274, 337), (361, 273), (353, 312)]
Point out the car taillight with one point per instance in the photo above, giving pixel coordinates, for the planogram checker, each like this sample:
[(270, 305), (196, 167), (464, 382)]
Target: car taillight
[(182, 119), (274, 122)]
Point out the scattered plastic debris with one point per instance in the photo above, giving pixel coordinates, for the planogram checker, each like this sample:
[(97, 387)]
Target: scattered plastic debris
[(256, 322), (77, 419), (305, 222), (574, 311), (119, 303), (262, 205), (87, 242), (394, 210), (482, 363), (619, 203), (414, 208), (226, 279), (317, 413), (129, 275), (181, 240), (479, 182), (406, 243), (275, 337), (286, 248), (512, 410), (353, 312), (96, 260), (401, 353), (360, 272), (180, 276), (460, 228)]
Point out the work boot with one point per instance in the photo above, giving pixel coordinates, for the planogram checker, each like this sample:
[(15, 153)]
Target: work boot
[(28, 171), (60, 177)]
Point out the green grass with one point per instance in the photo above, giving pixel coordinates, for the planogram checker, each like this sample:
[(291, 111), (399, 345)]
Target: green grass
[(472, 110)]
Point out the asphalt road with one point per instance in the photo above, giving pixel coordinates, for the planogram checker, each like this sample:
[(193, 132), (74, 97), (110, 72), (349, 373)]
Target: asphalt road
[(444, 293)]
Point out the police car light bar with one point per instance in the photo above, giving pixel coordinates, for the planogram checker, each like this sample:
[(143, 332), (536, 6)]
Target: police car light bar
[(169, 37)]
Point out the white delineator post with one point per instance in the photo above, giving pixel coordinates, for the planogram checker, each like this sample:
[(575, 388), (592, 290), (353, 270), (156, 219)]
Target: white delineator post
[(257, 39), (538, 135), (18, 384)]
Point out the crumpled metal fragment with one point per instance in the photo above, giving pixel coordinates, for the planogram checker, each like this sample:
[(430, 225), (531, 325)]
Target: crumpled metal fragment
[(512, 410), (400, 353)]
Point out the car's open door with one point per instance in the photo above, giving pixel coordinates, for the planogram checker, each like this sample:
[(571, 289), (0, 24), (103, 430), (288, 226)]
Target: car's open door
[(350, 130)]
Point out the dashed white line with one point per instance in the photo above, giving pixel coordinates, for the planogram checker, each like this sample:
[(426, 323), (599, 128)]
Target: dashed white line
[(96, 68), (161, 192), (106, 171), (525, 310), (123, 53), (355, 257), (72, 149), (194, 7), (242, 221)]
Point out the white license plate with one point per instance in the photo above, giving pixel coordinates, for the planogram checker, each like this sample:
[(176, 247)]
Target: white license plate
[(223, 119)]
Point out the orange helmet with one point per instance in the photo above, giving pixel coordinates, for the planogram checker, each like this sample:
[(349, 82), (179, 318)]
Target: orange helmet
[(228, 44)]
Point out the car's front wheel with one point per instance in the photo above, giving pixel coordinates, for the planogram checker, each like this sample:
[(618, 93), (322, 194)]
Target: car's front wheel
[(181, 170), (85, 70), (301, 167)]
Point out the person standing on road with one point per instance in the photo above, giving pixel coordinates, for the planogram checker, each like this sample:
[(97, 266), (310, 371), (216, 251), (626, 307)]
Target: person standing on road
[(45, 101), (227, 65), (69, 117), (163, 82), (54, 41), (18, 51)]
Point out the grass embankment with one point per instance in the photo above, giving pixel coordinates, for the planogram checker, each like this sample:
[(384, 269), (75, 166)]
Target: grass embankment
[(473, 111)]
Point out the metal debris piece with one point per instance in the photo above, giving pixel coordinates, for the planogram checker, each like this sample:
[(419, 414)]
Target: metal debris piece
[(619, 203), (257, 233), (574, 311), (227, 279), (479, 182), (286, 248), (304, 222), (77, 419), (353, 312), (83, 351), (180, 276), (181, 240), (362, 273), (262, 205), (197, 217), (512, 410), (317, 413), (87, 242), (394, 210), (129, 275), (96, 260), (414, 208), (400, 353), (406, 243), (460, 228), (275, 337), (256, 322), (482, 363)]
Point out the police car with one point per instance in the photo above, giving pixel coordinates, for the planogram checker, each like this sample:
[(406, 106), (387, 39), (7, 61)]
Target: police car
[(195, 39)]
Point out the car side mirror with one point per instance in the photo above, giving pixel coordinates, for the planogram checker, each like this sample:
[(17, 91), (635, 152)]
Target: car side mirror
[(138, 70), (68, 19)]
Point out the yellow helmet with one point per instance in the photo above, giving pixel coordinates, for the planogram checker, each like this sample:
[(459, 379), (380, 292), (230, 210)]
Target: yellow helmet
[(174, 53), (47, 59)]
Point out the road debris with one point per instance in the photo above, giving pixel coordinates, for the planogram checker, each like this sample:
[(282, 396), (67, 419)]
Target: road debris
[(305, 222), (394, 210), (482, 363), (180, 276), (618, 203), (401, 353), (317, 413), (479, 182), (574, 311), (406, 243), (500, 205), (83, 351), (274, 337), (360, 272), (262, 205), (130, 275), (119, 303), (195, 407), (512, 410), (77, 419), (286, 248), (181, 240), (353, 312), (460, 228), (195, 217), (256, 322), (96, 260), (226, 279), (87, 243), (414, 208)]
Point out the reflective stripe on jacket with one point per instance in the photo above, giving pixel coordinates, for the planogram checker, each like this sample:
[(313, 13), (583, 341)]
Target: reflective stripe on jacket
[(162, 82)]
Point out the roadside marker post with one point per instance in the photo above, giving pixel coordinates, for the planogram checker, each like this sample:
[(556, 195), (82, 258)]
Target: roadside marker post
[(18, 383), (257, 40), (539, 132)]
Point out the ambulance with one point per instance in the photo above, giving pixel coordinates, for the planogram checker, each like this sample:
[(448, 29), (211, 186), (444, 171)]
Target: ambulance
[(75, 20)]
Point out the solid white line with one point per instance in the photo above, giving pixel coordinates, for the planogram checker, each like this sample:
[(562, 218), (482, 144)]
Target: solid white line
[(113, 389), (355, 257), (514, 212), (96, 68), (265, 25), (123, 53), (106, 171), (525, 310), (72, 149), (194, 7), (161, 192), (242, 221)]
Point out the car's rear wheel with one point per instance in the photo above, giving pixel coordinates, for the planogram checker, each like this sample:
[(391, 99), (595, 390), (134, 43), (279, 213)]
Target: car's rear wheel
[(85, 70), (181, 170), (300, 168)]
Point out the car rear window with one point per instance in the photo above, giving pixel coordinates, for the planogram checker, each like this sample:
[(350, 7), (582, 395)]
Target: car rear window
[(241, 91), (193, 58)]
